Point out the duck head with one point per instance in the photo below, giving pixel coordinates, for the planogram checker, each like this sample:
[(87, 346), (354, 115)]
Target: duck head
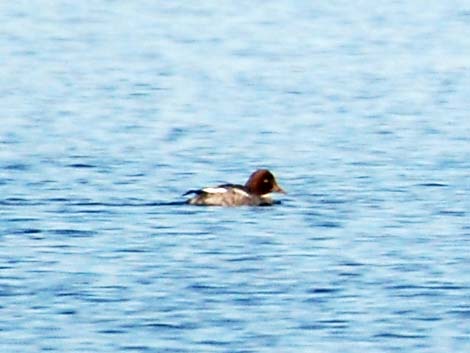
[(262, 182)]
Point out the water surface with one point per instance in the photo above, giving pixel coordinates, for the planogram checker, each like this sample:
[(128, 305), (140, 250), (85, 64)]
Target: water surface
[(110, 111)]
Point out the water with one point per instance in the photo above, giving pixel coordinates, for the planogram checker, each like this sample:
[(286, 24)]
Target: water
[(111, 110)]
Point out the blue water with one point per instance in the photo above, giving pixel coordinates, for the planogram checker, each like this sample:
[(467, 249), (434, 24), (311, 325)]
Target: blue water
[(111, 110)]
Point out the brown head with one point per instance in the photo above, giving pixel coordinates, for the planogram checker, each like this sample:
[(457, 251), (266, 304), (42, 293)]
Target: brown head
[(262, 182)]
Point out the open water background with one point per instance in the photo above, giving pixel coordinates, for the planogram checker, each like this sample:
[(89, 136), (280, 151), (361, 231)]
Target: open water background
[(110, 110)]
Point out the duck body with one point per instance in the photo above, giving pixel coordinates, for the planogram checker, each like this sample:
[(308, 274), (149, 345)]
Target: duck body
[(227, 195), (253, 193)]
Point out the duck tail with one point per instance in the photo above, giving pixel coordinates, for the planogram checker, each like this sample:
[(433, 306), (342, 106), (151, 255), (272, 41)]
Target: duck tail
[(195, 191)]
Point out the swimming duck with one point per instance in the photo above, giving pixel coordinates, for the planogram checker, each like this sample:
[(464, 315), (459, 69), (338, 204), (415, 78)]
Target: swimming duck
[(253, 193)]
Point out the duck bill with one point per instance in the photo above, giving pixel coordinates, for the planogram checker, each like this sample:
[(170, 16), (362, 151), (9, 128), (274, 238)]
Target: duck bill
[(277, 188)]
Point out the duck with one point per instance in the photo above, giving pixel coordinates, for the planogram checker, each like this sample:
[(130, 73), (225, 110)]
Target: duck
[(255, 192)]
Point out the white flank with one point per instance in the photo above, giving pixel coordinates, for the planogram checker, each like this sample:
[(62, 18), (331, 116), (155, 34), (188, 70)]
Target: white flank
[(241, 192), (215, 190)]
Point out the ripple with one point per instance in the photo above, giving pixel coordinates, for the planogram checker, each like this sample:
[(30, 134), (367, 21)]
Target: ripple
[(170, 326), (76, 233), (142, 348), (323, 290), (433, 185), (328, 225), (81, 166), (399, 336), (18, 201), (452, 213), (28, 231), (20, 167)]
